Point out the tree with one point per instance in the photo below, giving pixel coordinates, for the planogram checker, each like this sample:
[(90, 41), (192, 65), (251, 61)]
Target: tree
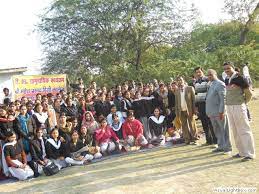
[(211, 45), (244, 11), (82, 35), (208, 46)]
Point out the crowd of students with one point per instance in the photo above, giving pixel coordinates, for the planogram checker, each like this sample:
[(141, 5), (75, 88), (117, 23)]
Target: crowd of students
[(74, 128)]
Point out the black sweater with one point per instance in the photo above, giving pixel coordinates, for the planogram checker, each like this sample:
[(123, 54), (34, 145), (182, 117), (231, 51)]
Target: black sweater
[(139, 108), (102, 108), (69, 111)]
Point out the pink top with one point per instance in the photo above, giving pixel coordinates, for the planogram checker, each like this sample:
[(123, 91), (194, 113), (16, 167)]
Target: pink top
[(134, 128), (106, 135)]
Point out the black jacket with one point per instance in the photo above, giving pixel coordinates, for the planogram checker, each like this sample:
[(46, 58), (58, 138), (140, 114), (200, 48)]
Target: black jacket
[(37, 124), (36, 150), (139, 108), (171, 100), (126, 106), (67, 138), (69, 111), (102, 108), (239, 81), (157, 102), (75, 148)]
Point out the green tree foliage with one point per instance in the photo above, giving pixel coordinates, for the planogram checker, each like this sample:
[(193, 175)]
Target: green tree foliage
[(210, 46), (113, 41), (246, 12), (85, 34)]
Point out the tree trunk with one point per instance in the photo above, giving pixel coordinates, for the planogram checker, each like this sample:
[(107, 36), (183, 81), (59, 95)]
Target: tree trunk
[(138, 58), (248, 24)]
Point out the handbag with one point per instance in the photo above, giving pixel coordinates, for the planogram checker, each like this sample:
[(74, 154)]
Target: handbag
[(50, 169)]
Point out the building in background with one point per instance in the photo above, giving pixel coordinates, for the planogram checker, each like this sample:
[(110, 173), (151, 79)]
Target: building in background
[(6, 74)]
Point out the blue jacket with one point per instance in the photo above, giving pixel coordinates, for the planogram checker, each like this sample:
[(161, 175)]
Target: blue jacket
[(215, 99)]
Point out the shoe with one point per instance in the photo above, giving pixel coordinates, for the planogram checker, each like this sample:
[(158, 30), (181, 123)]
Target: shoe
[(187, 143), (236, 156), (217, 150), (246, 159), (86, 162)]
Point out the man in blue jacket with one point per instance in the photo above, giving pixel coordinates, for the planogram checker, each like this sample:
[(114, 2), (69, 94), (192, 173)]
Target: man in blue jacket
[(216, 111)]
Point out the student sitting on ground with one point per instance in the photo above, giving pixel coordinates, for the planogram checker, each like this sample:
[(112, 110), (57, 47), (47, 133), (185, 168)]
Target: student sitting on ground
[(116, 125), (106, 138), (14, 158), (55, 149), (38, 153), (173, 135), (78, 153), (157, 127), (88, 140), (132, 131)]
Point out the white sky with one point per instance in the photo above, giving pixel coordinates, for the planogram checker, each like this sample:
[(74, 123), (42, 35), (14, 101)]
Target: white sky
[(20, 47)]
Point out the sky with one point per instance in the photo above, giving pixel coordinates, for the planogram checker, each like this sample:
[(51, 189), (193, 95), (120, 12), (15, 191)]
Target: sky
[(20, 45)]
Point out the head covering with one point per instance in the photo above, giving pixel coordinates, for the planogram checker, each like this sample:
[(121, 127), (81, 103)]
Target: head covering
[(91, 125)]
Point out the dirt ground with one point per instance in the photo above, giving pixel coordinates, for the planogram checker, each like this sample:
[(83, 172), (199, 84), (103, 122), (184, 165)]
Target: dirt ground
[(177, 169)]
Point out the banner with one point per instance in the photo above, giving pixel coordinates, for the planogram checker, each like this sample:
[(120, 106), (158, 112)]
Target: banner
[(30, 85)]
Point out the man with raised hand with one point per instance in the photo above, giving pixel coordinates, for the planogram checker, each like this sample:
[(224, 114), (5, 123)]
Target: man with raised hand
[(237, 96)]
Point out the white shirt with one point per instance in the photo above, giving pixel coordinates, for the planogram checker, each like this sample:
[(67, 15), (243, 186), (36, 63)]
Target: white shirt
[(224, 75), (2, 97), (246, 71), (183, 101)]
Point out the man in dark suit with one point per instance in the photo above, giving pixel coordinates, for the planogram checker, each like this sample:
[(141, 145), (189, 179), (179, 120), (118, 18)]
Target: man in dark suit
[(201, 87)]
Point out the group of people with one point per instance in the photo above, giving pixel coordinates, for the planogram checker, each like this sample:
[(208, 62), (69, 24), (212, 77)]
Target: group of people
[(74, 128)]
